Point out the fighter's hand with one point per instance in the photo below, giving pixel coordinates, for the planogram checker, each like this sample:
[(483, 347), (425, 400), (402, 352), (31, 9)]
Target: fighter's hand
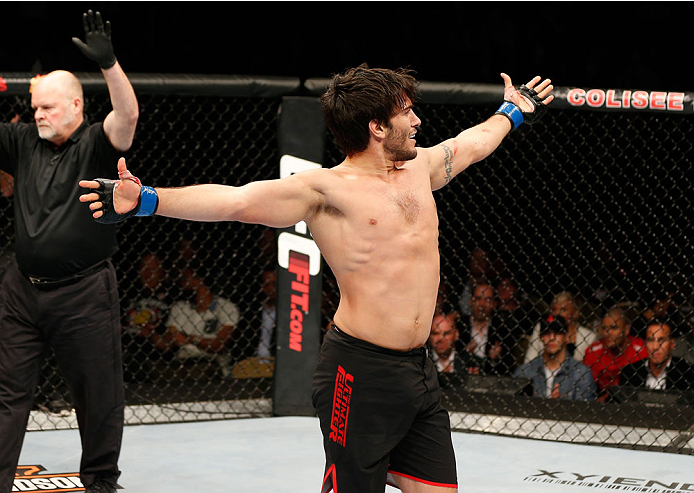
[(532, 98), (98, 46), (113, 200)]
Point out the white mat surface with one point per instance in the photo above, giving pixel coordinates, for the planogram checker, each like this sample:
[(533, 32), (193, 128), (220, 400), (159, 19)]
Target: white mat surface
[(285, 455)]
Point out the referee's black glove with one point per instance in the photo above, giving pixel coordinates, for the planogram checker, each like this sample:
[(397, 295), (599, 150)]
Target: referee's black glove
[(98, 46)]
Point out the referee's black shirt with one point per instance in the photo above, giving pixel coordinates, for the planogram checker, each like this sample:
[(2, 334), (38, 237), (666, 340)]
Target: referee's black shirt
[(55, 233)]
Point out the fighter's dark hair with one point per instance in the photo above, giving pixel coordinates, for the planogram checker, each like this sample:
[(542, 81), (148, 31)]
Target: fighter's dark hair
[(362, 94)]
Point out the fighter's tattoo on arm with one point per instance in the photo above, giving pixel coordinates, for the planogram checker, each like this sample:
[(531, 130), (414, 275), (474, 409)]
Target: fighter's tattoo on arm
[(448, 163)]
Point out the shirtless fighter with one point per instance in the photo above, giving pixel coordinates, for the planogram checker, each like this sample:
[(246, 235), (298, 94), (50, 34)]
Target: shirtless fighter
[(374, 219)]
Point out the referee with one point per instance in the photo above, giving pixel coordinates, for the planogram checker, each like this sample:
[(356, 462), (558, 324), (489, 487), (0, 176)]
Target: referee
[(62, 291)]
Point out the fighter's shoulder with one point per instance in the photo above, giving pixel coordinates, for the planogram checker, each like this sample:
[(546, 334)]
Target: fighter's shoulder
[(424, 154), (313, 174), (317, 178)]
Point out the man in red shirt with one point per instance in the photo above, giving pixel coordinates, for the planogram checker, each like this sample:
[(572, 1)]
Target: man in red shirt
[(607, 356)]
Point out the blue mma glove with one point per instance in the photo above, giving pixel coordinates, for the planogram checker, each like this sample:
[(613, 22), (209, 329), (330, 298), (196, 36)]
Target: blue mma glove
[(518, 116), (146, 204)]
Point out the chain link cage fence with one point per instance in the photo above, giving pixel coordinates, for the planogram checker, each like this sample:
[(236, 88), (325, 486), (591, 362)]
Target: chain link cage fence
[(585, 217)]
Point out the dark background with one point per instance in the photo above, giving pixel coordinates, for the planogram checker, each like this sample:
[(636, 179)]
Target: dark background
[(645, 45)]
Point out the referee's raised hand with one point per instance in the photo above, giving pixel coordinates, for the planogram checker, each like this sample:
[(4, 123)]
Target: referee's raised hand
[(98, 46)]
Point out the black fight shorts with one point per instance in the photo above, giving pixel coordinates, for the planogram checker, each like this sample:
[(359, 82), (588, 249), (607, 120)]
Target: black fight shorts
[(381, 416)]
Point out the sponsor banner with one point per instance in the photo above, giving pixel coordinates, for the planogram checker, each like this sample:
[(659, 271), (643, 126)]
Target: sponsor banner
[(299, 286), (33, 479), (632, 100), (605, 483), (299, 267)]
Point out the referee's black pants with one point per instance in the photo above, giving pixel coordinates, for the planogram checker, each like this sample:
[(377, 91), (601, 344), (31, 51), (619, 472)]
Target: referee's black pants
[(81, 322)]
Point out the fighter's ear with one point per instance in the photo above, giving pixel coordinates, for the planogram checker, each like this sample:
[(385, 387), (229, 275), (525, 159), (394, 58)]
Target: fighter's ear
[(377, 129)]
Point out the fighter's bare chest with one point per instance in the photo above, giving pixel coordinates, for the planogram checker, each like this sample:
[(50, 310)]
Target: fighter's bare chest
[(402, 204)]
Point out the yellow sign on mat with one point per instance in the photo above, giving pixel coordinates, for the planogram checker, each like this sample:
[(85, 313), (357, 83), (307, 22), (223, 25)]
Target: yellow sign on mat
[(28, 479)]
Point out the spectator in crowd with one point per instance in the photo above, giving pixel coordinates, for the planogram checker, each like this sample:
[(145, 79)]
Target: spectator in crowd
[(684, 344), (61, 255), (516, 316), (452, 360), (554, 373), (564, 304), (144, 325), (202, 327), (661, 370), (664, 307), (481, 269), (630, 309), (607, 356), (481, 335)]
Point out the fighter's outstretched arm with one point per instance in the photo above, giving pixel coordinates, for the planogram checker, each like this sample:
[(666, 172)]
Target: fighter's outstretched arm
[(474, 144), (275, 203)]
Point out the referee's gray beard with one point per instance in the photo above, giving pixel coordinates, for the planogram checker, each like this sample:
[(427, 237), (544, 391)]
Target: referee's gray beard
[(46, 132)]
